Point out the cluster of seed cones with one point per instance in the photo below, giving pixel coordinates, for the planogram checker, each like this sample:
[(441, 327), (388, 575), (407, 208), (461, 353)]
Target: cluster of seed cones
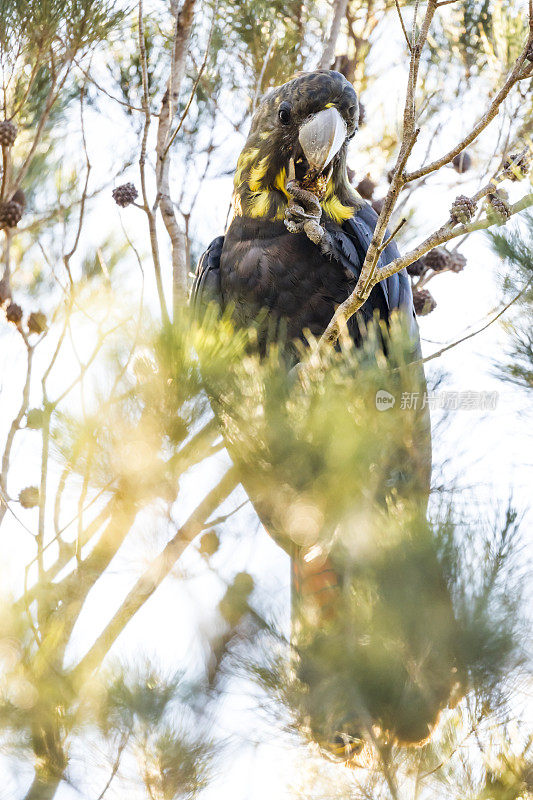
[(437, 260), (36, 322), (10, 210), (516, 167)]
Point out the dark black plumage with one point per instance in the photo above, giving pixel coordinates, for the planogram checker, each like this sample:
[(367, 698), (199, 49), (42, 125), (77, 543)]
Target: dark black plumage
[(260, 265), (288, 285)]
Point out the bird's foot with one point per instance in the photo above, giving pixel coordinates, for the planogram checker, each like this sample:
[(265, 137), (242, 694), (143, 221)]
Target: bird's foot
[(303, 215)]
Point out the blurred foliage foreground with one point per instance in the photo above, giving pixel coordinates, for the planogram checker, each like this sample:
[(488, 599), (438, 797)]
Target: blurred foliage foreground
[(412, 616)]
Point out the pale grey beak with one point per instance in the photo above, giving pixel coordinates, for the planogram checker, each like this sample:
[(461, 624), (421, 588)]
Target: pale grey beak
[(321, 138)]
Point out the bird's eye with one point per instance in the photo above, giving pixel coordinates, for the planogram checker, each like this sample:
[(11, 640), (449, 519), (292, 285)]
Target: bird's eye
[(284, 114)]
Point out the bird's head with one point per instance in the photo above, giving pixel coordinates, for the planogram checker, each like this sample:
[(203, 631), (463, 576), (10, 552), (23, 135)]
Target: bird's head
[(300, 129)]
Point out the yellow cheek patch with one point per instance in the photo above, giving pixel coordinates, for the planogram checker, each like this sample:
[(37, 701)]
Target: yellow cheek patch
[(335, 209), (250, 155), (279, 183), (257, 174), (259, 204), (241, 166)]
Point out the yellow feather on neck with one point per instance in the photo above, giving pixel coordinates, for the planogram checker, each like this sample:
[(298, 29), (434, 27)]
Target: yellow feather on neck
[(257, 173), (334, 207), (265, 201), (259, 204)]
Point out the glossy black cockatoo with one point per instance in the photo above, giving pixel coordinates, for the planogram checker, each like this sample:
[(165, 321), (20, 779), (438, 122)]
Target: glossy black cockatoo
[(293, 252)]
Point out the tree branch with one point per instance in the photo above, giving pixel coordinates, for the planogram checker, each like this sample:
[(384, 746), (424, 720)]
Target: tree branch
[(494, 108), (156, 572), (370, 272), (328, 54), (471, 335), (142, 169)]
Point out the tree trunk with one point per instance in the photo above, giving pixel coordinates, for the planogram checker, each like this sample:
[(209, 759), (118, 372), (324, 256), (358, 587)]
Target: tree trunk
[(328, 55)]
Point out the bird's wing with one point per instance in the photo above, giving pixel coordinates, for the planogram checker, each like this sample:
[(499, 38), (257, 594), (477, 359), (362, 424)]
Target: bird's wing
[(397, 288), (206, 285)]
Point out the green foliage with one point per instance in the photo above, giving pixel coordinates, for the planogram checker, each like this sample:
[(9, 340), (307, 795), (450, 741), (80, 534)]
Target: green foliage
[(35, 27), (426, 614), (154, 715), (486, 582), (317, 439), (514, 248), (251, 27)]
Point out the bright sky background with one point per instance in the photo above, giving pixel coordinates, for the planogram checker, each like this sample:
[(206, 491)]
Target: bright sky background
[(490, 451)]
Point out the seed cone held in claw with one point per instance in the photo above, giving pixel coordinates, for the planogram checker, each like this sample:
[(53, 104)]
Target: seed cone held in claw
[(317, 185)]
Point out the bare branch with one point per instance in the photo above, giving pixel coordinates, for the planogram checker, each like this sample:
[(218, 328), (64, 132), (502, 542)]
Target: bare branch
[(157, 571), (494, 108), (328, 54), (399, 10), (371, 273), (471, 335), (142, 168), (15, 426)]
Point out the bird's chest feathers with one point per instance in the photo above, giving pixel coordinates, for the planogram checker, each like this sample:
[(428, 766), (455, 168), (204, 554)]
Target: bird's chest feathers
[(265, 266)]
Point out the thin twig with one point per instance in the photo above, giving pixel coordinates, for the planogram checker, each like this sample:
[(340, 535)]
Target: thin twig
[(399, 10), (196, 82), (494, 108), (142, 169), (266, 62), (116, 765), (394, 233), (68, 256), (479, 330)]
